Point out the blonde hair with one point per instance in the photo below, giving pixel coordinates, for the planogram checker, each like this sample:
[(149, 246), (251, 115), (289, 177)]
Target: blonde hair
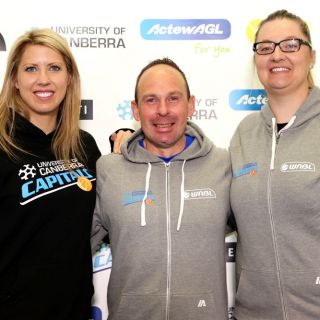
[(66, 141)]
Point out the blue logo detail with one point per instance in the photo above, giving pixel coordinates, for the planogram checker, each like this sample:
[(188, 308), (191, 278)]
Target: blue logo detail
[(124, 110), (96, 313), (248, 168), (102, 260), (248, 99), (136, 196), (185, 29)]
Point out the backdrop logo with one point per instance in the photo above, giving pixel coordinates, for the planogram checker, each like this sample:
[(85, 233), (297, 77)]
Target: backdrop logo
[(96, 313), (110, 37), (2, 43), (86, 110), (247, 99), (124, 110), (205, 109), (231, 251), (102, 260), (252, 28), (185, 29)]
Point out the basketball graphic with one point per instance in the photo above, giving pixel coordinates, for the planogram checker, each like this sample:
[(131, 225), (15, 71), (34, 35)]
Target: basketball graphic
[(84, 184), (149, 202), (253, 173)]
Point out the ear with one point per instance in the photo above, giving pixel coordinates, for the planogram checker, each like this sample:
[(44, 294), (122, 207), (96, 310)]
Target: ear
[(16, 83), (191, 106), (135, 110)]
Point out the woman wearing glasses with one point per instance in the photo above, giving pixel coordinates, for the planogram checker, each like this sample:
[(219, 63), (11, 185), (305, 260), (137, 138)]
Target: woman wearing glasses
[(276, 180)]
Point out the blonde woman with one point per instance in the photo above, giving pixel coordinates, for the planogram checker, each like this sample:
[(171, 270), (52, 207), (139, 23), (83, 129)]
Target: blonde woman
[(47, 176), (275, 188)]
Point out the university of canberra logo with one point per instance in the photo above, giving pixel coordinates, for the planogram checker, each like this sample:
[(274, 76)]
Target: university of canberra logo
[(2, 43), (185, 29)]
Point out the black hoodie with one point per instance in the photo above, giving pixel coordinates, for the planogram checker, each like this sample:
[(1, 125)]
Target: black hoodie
[(45, 221)]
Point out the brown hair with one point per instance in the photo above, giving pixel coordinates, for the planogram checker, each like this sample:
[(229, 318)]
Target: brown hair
[(153, 63), (284, 14)]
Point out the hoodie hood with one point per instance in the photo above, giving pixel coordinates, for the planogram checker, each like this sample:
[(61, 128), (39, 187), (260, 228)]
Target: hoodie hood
[(30, 137), (200, 147), (307, 111), (133, 152)]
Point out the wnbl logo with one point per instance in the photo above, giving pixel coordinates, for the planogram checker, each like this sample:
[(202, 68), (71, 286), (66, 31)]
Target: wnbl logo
[(2, 43)]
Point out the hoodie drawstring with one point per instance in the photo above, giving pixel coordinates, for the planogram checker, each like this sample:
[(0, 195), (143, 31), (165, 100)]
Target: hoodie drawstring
[(274, 142), (181, 196), (274, 138), (143, 205)]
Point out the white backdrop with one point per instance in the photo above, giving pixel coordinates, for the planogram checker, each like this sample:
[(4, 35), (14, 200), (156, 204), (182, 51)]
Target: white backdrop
[(111, 43)]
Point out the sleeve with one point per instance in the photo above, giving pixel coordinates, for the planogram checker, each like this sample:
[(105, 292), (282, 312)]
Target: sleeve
[(98, 229)]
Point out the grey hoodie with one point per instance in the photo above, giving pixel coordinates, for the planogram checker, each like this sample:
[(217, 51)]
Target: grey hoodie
[(166, 224), (276, 203)]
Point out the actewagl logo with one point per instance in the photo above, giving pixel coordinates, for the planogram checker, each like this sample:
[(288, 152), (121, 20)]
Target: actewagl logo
[(247, 99), (185, 29)]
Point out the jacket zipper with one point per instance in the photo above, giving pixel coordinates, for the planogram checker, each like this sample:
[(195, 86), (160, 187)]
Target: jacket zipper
[(275, 243), (168, 293)]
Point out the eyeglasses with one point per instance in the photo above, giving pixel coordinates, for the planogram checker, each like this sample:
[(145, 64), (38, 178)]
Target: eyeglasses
[(287, 45)]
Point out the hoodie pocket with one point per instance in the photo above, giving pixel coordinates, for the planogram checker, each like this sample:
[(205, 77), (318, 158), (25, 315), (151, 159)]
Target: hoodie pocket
[(140, 307), (303, 294), (258, 296), (151, 307)]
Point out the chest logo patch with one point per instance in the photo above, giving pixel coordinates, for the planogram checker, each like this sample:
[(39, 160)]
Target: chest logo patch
[(199, 194), (297, 166), (250, 169), (45, 177)]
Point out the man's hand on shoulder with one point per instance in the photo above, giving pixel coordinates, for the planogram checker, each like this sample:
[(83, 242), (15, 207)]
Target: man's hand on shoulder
[(118, 138)]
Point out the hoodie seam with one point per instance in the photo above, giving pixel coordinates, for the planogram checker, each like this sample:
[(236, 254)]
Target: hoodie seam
[(276, 251)]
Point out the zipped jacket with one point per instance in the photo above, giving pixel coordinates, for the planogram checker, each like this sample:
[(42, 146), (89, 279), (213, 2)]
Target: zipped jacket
[(166, 224), (276, 204)]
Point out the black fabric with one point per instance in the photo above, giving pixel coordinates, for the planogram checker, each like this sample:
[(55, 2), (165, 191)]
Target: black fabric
[(281, 125), (45, 265)]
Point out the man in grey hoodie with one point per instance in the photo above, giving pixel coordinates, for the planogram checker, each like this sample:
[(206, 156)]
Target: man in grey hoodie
[(164, 214)]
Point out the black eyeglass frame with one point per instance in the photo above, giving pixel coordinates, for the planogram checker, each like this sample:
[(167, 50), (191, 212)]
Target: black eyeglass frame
[(301, 41)]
